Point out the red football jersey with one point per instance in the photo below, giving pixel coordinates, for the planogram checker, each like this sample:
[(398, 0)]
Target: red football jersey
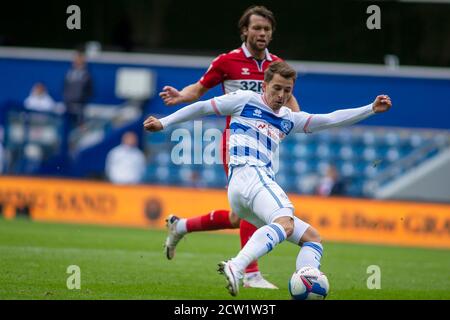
[(236, 70)]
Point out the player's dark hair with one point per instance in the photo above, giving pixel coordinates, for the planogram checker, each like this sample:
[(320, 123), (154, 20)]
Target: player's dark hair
[(281, 68), (262, 11)]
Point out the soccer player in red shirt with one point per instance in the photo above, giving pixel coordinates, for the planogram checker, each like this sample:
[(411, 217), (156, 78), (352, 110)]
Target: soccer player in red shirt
[(242, 68)]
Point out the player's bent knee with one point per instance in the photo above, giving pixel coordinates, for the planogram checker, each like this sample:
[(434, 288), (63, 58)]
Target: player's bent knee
[(289, 229), (311, 235)]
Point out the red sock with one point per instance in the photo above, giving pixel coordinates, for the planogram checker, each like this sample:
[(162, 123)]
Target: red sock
[(246, 231), (215, 220)]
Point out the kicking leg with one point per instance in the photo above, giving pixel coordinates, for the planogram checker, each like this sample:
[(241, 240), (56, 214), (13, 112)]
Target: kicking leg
[(261, 201), (311, 251), (309, 239), (261, 242)]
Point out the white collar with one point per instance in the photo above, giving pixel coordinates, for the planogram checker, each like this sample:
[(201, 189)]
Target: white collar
[(249, 55)]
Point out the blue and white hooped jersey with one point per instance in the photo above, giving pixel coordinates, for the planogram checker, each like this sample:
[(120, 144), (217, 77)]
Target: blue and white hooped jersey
[(255, 129)]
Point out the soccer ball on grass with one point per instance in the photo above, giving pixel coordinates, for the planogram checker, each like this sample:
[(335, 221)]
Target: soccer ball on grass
[(308, 283)]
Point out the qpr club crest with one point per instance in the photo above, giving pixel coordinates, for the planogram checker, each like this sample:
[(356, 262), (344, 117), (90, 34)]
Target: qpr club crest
[(286, 126)]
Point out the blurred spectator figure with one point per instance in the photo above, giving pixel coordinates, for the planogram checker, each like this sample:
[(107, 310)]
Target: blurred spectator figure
[(125, 164), (78, 89), (41, 108), (39, 99), (196, 180), (331, 184)]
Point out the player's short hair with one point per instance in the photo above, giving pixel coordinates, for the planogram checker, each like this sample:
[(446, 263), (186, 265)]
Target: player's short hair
[(262, 11), (281, 68)]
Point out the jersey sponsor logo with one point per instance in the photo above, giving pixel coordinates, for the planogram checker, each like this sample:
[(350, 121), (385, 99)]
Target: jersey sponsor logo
[(261, 125), (273, 133), (245, 71), (270, 131)]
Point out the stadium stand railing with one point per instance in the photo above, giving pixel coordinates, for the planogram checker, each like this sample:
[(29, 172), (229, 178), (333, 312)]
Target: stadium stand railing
[(428, 143)]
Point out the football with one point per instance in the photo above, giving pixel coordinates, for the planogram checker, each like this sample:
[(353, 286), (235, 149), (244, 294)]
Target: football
[(308, 283)]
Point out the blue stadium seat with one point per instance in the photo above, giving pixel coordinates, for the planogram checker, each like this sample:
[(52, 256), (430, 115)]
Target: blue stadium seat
[(416, 140), (392, 139), (346, 168), (323, 150), (369, 138), (346, 152), (301, 167), (370, 154)]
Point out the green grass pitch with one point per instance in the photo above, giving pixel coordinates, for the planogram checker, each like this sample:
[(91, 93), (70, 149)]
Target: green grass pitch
[(126, 263)]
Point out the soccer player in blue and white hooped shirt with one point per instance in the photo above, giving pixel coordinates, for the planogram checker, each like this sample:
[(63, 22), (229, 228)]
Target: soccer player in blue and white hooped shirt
[(259, 122)]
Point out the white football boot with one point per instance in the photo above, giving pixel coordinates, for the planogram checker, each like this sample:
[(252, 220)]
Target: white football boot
[(256, 280), (232, 276), (173, 237)]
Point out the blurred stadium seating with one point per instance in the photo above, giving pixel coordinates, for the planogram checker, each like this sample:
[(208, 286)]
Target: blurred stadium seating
[(367, 157), (30, 138)]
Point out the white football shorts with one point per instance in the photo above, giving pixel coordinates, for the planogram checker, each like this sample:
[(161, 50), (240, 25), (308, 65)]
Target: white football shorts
[(254, 196)]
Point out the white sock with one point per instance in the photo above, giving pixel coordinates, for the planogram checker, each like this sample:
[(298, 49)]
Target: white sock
[(261, 242), (310, 255), (180, 227)]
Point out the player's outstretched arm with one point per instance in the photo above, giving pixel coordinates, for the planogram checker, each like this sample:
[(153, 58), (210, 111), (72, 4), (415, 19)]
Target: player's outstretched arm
[(172, 96), (227, 104), (345, 117), (193, 111)]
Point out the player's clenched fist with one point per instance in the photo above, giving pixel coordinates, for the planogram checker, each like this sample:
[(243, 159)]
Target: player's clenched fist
[(381, 104), (170, 96), (152, 124)]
